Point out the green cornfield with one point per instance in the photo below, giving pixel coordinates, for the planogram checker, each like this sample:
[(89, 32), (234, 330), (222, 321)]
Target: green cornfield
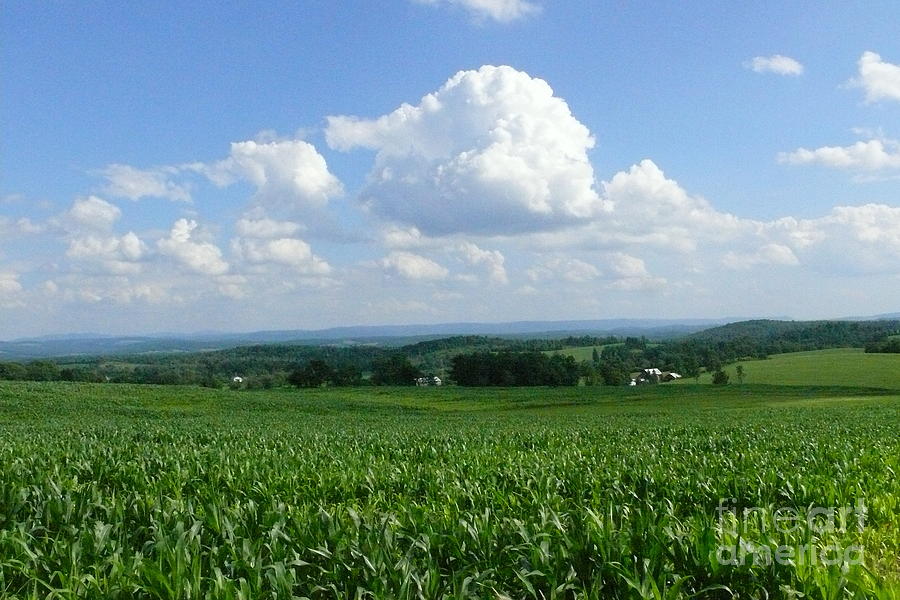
[(113, 491)]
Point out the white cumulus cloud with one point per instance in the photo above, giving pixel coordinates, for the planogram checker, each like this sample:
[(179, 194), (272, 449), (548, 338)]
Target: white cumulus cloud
[(290, 174), (266, 228), (879, 79), (849, 240), (492, 260), (492, 151), (650, 208), (572, 270), (413, 266), (92, 213), (124, 181), (119, 255), (502, 11), (769, 254), (871, 155), (777, 63), (198, 256), (9, 288), (290, 252)]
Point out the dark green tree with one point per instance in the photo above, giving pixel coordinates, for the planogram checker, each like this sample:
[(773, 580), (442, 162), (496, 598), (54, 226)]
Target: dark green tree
[(395, 370), (720, 377), (42, 370), (315, 373)]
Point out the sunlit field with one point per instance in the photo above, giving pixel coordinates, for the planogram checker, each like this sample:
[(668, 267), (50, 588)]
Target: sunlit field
[(837, 366), (114, 491)]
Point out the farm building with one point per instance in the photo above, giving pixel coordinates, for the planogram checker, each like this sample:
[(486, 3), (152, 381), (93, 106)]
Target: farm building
[(653, 375)]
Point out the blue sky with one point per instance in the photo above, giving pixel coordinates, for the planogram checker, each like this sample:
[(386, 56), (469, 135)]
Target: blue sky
[(192, 166)]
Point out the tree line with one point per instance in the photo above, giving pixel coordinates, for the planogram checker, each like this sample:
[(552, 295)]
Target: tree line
[(507, 369), (888, 346), (466, 360)]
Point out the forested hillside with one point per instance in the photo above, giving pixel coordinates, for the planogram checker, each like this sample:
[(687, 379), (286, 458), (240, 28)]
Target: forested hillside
[(491, 360)]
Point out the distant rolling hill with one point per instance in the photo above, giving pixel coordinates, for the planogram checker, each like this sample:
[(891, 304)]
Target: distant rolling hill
[(387, 335), (805, 334)]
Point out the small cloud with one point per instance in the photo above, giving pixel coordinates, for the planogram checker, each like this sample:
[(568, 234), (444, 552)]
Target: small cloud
[(413, 266), (288, 173), (879, 78), (266, 228), (92, 213), (9, 284), (118, 255), (502, 11), (777, 63), (871, 155), (200, 257), (770, 254), (572, 270), (124, 181), (492, 260)]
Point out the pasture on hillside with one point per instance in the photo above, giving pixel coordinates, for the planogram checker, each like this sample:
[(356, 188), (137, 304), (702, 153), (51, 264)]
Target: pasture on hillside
[(837, 366), (124, 491), (581, 353)]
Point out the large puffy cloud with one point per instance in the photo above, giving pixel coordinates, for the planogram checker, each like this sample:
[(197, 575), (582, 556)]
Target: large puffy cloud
[(777, 63), (289, 252), (649, 208), (498, 10), (413, 266), (871, 155), (653, 212), (880, 79), (287, 174), (124, 181), (198, 256), (492, 151), (645, 208)]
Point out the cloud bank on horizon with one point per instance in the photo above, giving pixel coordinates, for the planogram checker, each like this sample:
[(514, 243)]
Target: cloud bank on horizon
[(479, 198)]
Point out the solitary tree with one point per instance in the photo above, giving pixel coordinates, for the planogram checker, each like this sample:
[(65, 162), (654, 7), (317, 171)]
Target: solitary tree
[(739, 371), (720, 377)]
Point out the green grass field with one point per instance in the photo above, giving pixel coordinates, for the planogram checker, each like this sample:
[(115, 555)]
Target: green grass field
[(580, 353), (840, 366), (114, 491)]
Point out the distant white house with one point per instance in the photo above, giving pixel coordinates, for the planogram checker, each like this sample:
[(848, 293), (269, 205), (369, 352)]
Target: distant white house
[(237, 379), (427, 381)]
